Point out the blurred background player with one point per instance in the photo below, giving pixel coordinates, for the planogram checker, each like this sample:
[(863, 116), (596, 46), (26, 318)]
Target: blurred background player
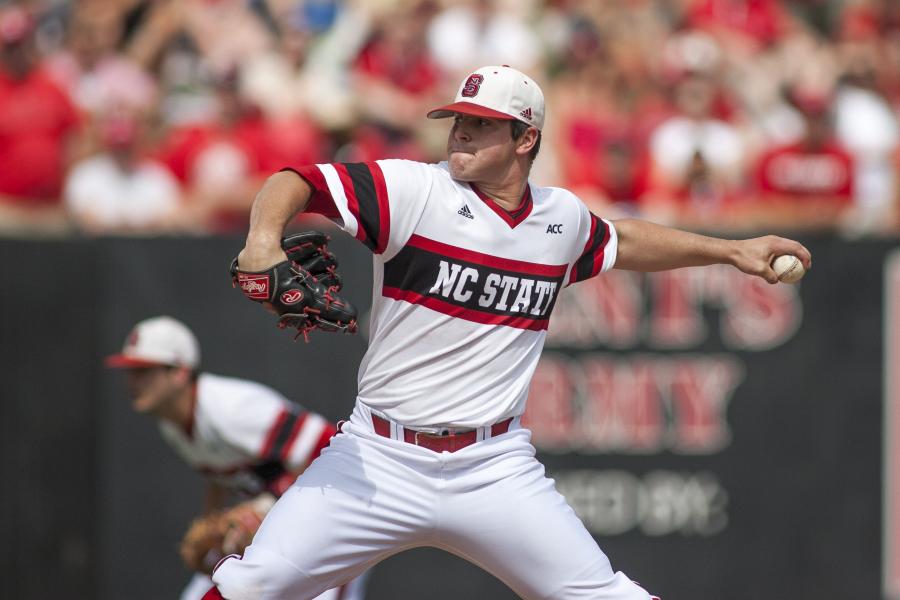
[(247, 439)]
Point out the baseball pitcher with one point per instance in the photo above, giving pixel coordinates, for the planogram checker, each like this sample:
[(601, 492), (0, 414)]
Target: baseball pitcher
[(469, 258)]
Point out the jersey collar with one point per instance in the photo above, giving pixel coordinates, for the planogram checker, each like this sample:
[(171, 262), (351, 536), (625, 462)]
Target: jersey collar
[(512, 218)]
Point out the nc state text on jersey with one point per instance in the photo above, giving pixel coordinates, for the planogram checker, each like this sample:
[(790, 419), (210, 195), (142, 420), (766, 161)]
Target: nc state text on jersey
[(473, 286), (532, 296)]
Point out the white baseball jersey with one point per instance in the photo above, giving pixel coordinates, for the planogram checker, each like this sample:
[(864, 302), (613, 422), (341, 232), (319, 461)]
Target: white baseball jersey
[(463, 289), (247, 436)]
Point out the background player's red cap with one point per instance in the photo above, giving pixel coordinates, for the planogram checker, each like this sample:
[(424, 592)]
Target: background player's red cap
[(160, 341), (498, 93)]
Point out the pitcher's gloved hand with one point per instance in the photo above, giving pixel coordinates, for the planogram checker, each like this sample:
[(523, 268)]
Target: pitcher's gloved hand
[(303, 289)]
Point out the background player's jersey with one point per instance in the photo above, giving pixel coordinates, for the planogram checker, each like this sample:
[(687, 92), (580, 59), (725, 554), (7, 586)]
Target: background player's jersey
[(247, 436), (463, 290)]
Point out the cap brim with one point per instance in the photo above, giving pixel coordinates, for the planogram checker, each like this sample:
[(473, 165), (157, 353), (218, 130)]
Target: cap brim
[(468, 108), (120, 361)]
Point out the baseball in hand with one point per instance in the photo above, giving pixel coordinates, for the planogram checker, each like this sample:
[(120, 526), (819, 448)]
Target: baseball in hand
[(788, 268)]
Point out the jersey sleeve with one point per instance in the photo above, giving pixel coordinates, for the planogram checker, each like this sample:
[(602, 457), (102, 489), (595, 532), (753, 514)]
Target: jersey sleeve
[(266, 427), (597, 242), (296, 438), (378, 202)]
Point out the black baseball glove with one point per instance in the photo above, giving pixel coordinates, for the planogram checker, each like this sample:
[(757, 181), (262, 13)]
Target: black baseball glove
[(303, 289)]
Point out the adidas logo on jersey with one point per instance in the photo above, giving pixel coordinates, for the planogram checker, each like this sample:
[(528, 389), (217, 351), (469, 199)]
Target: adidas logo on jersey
[(464, 211)]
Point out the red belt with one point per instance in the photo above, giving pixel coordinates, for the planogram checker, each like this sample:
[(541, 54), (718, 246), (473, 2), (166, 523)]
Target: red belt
[(449, 442)]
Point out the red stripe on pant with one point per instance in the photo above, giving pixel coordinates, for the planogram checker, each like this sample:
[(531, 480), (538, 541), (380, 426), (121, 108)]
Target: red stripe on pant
[(213, 594)]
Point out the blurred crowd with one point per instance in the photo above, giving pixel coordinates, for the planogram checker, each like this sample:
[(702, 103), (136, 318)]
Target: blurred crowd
[(142, 117)]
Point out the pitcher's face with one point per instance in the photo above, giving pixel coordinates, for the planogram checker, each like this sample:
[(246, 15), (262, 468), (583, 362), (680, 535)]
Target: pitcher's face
[(479, 149)]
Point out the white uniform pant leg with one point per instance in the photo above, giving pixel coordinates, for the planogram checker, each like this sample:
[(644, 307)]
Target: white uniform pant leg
[(196, 587), (352, 590), (355, 505), (503, 514), (356, 589)]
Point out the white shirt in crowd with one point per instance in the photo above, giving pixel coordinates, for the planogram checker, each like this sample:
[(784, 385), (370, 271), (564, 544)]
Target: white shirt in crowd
[(100, 195)]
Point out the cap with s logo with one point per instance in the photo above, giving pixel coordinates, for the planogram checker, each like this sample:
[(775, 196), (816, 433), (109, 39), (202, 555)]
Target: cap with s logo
[(497, 93), (160, 341)]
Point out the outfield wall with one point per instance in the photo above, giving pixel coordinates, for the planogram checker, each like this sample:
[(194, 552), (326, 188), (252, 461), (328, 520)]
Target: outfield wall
[(722, 438)]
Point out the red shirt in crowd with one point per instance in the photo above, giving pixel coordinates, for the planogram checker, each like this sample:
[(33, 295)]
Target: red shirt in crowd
[(36, 117), (260, 146), (186, 147), (606, 156), (795, 170), (415, 74), (761, 20), (220, 158)]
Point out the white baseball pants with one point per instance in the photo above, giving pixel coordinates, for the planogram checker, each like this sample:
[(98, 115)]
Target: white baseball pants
[(368, 497), (355, 590)]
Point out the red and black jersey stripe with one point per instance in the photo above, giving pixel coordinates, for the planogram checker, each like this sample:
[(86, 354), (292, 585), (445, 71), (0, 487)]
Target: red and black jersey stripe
[(590, 262), (366, 179), (282, 435), (473, 286), (320, 202), (366, 191)]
